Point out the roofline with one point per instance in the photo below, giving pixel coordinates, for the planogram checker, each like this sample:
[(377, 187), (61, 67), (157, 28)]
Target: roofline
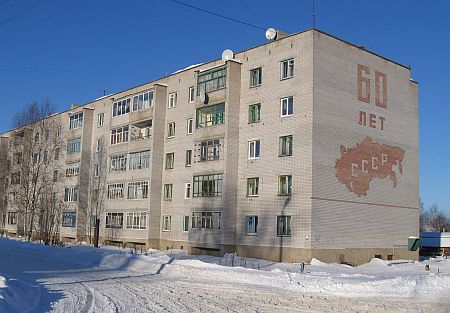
[(215, 60), (359, 47)]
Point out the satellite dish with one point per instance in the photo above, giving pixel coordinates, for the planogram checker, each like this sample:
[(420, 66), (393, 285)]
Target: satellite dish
[(271, 33), (227, 55), (203, 96)]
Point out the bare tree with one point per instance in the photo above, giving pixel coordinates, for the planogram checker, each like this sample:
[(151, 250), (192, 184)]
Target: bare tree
[(433, 219), (36, 150), (98, 189)]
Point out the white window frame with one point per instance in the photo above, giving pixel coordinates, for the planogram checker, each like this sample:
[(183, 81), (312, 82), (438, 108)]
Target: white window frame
[(137, 190), (185, 222), (69, 219), (170, 130), (172, 100), (252, 189), (168, 195), (74, 145), (190, 126), (96, 170), (98, 145), (283, 149), (287, 102), (73, 169), (136, 220), (121, 107), (71, 194), (166, 223), (256, 77), (251, 225), (116, 191), (139, 160), (188, 160), (170, 161), (287, 68), (286, 220), (254, 149), (76, 120), (188, 190), (287, 180), (100, 119), (114, 220), (191, 94), (119, 135), (206, 220), (142, 101), (118, 163)]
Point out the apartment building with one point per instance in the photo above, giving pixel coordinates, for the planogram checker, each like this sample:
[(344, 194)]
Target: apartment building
[(303, 147)]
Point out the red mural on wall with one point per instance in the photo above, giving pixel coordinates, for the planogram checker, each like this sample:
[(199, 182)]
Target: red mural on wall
[(357, 166)]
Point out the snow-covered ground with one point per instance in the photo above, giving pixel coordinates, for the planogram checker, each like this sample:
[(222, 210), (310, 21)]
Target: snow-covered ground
[(80, 278)]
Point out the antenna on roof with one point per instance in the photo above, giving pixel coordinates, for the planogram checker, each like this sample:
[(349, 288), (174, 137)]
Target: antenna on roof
[(313, 14)]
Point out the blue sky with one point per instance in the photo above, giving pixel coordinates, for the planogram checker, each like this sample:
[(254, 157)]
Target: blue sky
[(71, 51)]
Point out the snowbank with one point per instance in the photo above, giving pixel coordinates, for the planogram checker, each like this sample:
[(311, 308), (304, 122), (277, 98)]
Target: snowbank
[(13, 292)]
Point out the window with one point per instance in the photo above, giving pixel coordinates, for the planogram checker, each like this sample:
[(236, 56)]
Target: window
[(252, 186), (76, 121), (93, 220), (211, 115), (17, 158), (55, 175), (284, 185), (71, 194), (208, 185), (13, 196), (212, 80), (255, 77), (254, 113), (96, 170), (209, 150), (138, 190), (74, 145), (141, 130), (283, 225), (57, 154), (191, 94), (95, 195), (114, 220), (121, 107), (12, 218), (206, 220), (186, 223), (58, 131), (172, 100), (171, 130), (188, 158), (287, 69), (115, 191), (170, 159), (118, 163), (167, 223), (45, 157), (37, 138), (287, 106), (98, 145), (190, 126), (286, 145), (251, 225), (142, 101), (100, 119), (35, 157), (140, 160), (253, 149), (168, 191), (119, 135), (15, 178), (47, 134), (187, 190), (73, 169), (69, 219), (137, 220)]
